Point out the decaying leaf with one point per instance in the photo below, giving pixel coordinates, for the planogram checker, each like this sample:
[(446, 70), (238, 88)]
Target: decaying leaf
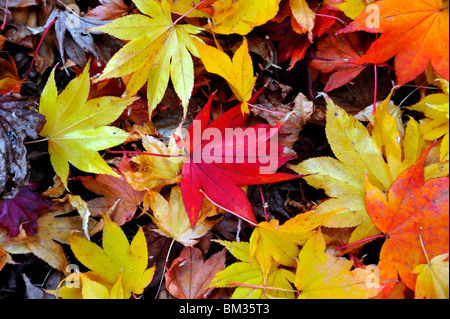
[(189, 275), (18, 121), (76, 39)]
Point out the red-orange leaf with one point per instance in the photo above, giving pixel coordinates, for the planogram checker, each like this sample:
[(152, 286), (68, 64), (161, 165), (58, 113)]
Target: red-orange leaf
[(414, 210), (416, 32)]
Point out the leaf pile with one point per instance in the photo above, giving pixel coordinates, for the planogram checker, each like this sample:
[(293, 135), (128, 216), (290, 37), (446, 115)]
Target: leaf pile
[(200, 149)]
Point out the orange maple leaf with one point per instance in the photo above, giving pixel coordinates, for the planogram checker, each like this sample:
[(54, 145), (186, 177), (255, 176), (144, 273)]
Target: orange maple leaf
[(416, 32), (414, 209)]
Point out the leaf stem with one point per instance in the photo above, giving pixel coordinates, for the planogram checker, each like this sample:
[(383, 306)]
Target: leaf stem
[(37, 141), (260, 287), (375, 89), (144, 153), (331, 17), (2, 27), (165, 267), (37, 49), (362, 241), (193, 8)]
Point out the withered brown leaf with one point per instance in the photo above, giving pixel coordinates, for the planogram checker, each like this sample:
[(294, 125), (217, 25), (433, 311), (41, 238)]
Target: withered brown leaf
[(18, 121)]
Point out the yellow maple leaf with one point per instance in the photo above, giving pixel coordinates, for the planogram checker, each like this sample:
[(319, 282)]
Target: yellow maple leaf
[(249, 279), (383, 156), (158, 49), (118, 260), (237, 72), (241, 16), (271, 243), (436, 124), (76, 129), (172, 220), (433, 277), (320, 275)]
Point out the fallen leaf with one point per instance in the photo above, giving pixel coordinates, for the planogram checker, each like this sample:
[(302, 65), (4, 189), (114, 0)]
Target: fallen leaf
[(9, 78), (414, 211), (334, 54), (172, 220), (148, 172), (80, 39), (432, 278), (218, 165), (304, 17), (271, 243), (415, 32), (108, 10), (158, 50), (238, 72), (242, 16), (357, 152), (76, 129), (247, 276), (321, 275), (189, 275), (22, 211), (118, 261), (113, 190), (19, 121)]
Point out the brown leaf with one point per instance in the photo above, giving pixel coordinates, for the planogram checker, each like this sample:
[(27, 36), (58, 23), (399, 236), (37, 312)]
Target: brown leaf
[(274, 99), (189, 275), (18, 121), (108, 10), (80, 40), (113, 189)]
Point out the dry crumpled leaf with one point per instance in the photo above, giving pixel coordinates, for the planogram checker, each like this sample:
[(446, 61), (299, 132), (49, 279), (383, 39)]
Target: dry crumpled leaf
[(18, 122), (190, 275), (274, 99), (81, 40)]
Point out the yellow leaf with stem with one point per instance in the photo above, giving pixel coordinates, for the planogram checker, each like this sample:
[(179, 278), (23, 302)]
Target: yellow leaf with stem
[(159, 49), (76, 129), (238, 72)]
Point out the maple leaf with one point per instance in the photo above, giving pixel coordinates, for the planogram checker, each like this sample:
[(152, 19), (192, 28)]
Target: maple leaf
[(384, 156), (118, 259), (248, 277), (321, 275), (204, 10), (237, 72), (9, 77), (435, 125), (415, 32), (108, 10), (76, 129), (189, 275), (351, 8), (414, 210), (22, 210), (220, 164), (271, 243), (334, 54), (172, 220), (75, 38), (158, 50), (242, 16), (433, 277), (113, 189)]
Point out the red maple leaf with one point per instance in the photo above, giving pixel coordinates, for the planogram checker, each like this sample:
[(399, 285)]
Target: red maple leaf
[(219, 164)]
